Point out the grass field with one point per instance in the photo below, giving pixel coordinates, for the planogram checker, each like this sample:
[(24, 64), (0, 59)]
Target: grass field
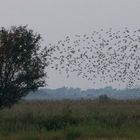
[(71, 120)]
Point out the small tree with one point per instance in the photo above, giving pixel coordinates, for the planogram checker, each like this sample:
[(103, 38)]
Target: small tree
[(22, 64), (103, 98)]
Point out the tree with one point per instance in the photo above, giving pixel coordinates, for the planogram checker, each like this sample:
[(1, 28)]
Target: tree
[(103, 98), (22, 64)]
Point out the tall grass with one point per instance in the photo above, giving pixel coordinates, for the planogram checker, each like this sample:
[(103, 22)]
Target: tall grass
[(84, 119)]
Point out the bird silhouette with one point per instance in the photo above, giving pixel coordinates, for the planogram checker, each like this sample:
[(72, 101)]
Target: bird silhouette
[(107, 56)]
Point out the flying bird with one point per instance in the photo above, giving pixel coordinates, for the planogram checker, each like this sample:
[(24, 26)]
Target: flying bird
[(106, 56)]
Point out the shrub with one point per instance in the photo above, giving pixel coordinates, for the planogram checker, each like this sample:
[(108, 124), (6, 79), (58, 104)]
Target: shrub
[(103, 98)]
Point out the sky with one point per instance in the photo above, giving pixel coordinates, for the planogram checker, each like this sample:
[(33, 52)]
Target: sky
[(55, 19)]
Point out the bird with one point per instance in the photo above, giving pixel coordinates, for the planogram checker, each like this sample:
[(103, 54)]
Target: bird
[(106, 55)]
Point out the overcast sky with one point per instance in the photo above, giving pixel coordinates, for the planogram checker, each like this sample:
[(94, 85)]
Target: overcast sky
[(55, 19)]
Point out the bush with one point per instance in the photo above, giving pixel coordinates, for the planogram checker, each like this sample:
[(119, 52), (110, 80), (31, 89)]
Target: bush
[(73, 134), (103, 98)]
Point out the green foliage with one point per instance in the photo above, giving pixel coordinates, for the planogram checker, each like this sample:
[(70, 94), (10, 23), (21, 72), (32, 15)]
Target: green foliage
[(104, 98), (73, 133), (67, 120), (22, 64)]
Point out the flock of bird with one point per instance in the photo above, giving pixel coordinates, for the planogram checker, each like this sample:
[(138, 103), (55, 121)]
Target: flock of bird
[(105, 56)]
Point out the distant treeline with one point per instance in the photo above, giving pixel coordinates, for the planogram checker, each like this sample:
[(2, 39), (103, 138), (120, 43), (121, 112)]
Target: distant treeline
[(77, 93)]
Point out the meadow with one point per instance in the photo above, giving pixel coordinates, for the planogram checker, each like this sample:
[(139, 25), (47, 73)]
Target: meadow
[(71, 120)]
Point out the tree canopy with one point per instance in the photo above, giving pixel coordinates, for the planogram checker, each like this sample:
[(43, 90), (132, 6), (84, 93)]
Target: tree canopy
[(22, 63)]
